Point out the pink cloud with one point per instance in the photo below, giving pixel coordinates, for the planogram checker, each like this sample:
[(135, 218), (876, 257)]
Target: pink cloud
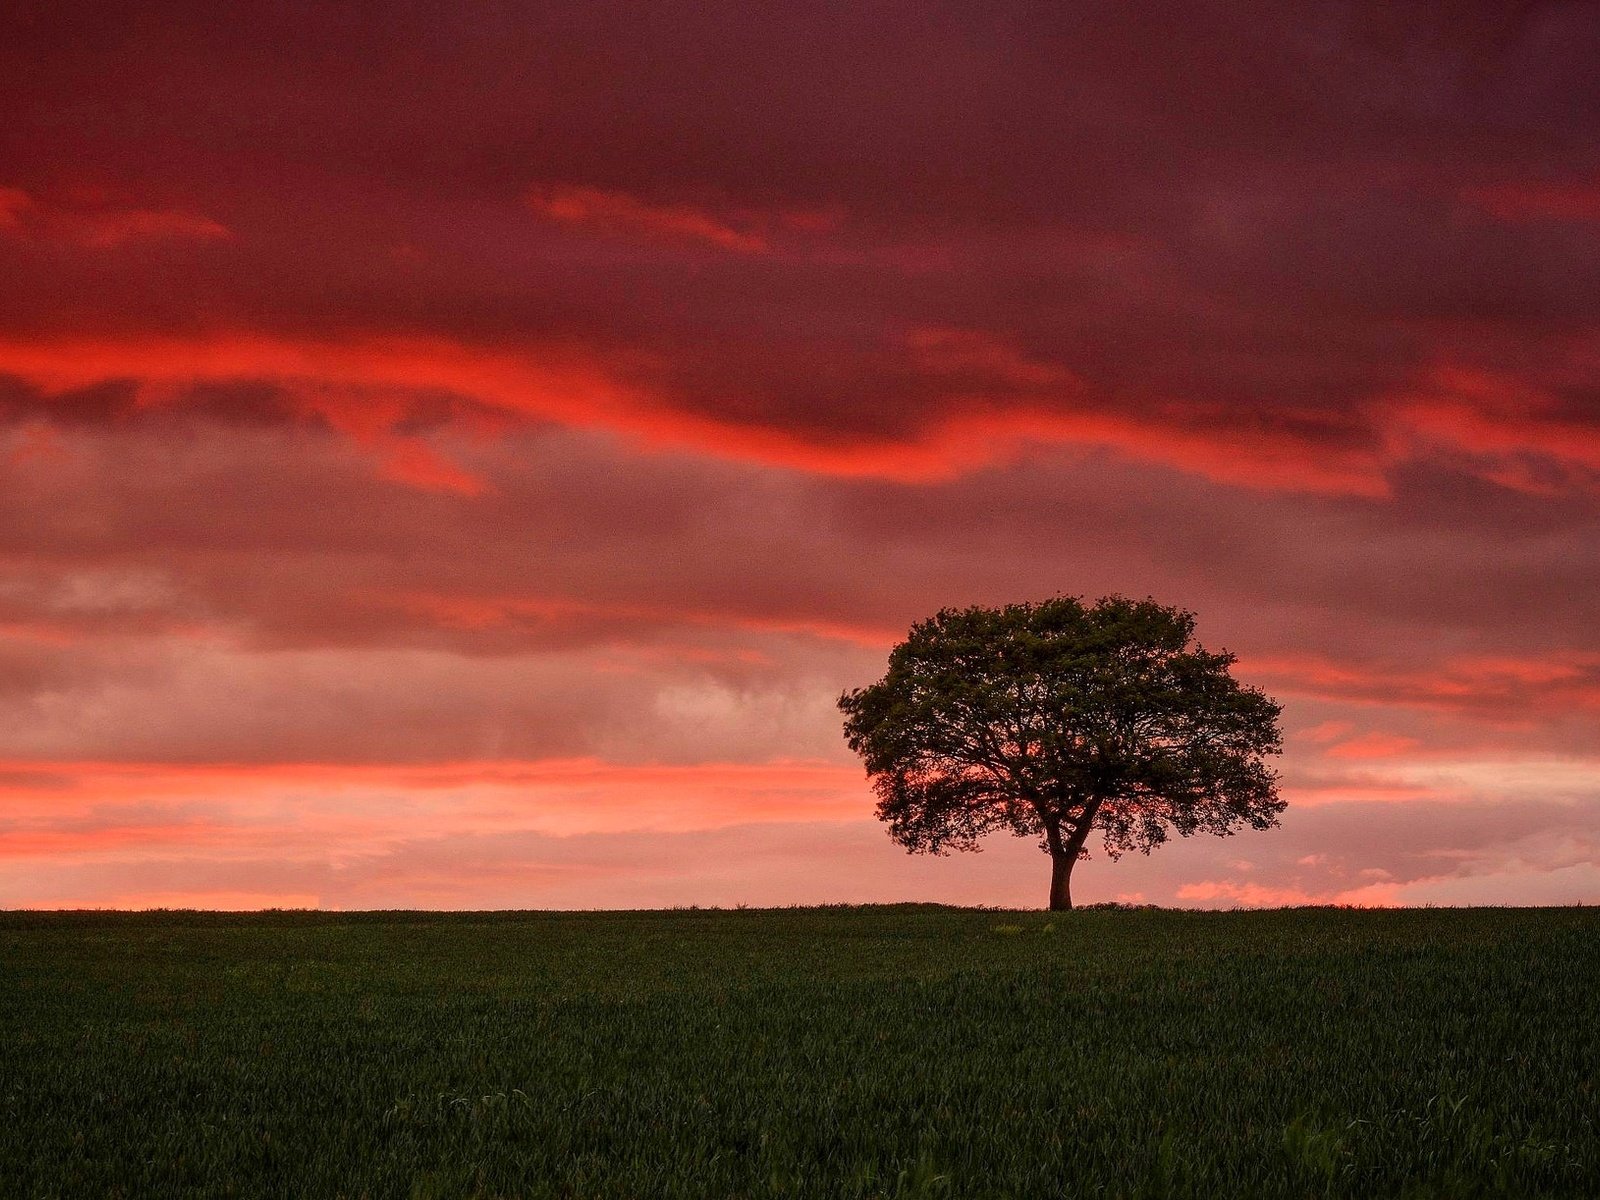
[(1250, 895), (69, 810), (478, 612), (620, 214), (587, 833), (1496, 683), (1325, 731), (217, 900), (1373, 745)]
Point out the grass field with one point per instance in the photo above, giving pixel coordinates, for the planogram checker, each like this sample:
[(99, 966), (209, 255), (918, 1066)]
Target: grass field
[(901, 1051)]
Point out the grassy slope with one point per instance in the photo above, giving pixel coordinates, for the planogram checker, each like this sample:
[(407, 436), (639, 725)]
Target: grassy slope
[(809, 1053)]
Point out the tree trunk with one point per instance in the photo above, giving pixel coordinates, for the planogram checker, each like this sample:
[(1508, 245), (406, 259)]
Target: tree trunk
[(1061, 881)]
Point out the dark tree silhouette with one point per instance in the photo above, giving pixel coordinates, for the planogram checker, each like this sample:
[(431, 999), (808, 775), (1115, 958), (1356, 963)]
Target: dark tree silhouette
[(1053, 719)]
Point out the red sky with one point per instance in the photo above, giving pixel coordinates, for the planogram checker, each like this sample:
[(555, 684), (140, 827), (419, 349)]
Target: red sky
[(455, 456)]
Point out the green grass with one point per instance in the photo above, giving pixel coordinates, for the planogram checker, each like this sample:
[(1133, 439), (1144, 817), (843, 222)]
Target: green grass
[(903, 1051)]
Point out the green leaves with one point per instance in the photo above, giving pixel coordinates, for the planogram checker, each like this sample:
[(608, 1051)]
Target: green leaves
[(1063, 716)]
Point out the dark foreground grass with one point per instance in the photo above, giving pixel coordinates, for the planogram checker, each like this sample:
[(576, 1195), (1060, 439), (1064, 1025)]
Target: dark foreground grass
[(804, 1053)]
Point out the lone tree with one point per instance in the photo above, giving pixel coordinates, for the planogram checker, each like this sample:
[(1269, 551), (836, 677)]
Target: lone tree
[(1053, 719)]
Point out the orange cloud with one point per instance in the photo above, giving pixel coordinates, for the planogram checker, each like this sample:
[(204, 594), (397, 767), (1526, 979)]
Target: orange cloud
[(619, 214), (13, 203), (1326, 731), (581, 832), (1248, 895), (101, 227), (1498, 417), (1356, 790), (356, 384), (89, 809), (1496, 683), (108, 229), (1373, 745), (1573, 200), (145, 837), (221, 900), (414, 462), (995, 404), (1255, 895), (48, 633)]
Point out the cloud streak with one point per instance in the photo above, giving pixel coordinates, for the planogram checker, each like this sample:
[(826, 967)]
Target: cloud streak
[(617, 213), (100, 226)]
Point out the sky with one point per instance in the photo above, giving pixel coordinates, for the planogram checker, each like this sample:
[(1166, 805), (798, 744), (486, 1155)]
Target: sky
[(455, 456)]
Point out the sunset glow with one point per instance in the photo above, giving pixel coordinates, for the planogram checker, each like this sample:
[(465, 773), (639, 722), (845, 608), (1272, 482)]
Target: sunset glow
[(466, 472)]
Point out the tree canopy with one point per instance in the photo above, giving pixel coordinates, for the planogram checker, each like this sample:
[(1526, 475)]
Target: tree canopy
[(1057, 718)]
